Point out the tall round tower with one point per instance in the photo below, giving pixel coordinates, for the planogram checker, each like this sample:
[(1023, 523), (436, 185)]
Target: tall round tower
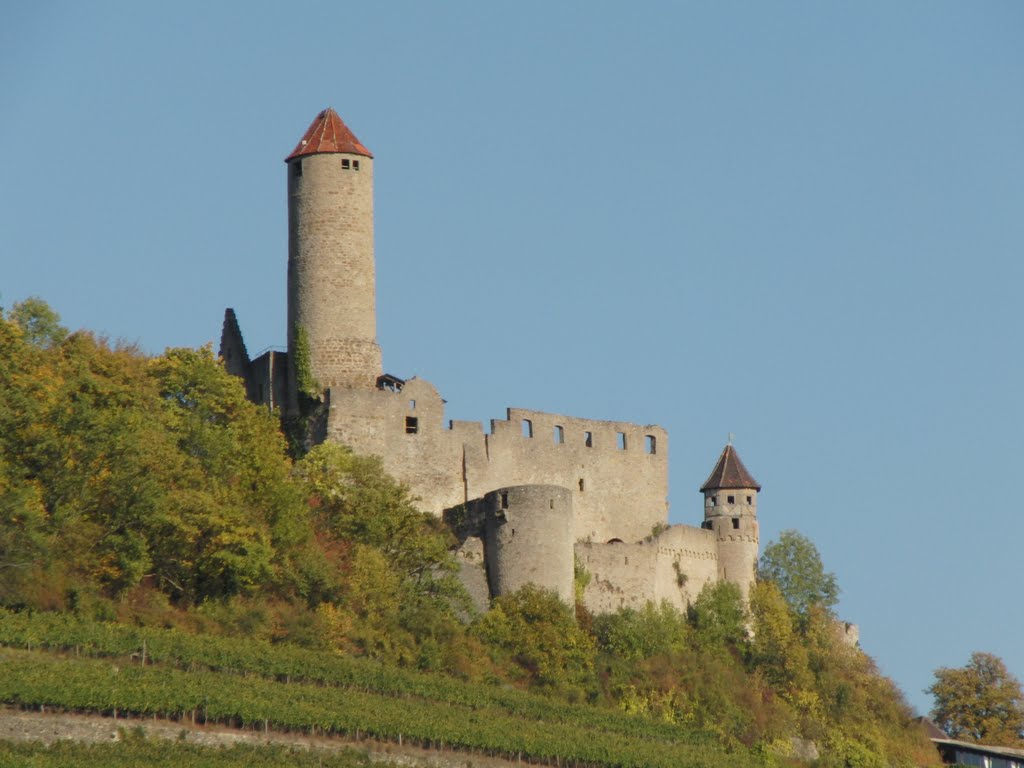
[(331, 291), (730, 510)]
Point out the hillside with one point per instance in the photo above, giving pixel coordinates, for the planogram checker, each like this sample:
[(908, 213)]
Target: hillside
[(164, 555)]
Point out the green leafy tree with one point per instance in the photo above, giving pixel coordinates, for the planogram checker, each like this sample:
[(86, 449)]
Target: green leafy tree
[(634, 634), (980, 702), (533, 630), (794, 565), (718, 617), (40, 323)]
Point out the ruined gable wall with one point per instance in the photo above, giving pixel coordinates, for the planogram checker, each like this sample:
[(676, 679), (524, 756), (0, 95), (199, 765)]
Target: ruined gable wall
[(429, 460)]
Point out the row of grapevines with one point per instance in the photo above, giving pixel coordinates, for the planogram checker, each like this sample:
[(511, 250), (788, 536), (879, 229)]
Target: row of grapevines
[(134, 752), (35, 679), (282, 662)]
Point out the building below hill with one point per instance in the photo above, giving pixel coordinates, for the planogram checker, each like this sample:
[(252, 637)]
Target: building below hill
[(530, 496)]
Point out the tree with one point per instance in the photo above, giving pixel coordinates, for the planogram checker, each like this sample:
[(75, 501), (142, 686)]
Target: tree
[(718, 617), (980, 702), (794, 565), (40, 323), (532, 629)]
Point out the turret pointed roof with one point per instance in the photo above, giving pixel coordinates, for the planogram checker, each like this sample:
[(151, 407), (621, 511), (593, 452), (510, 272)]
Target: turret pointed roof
[(729, 472), (328, 133)]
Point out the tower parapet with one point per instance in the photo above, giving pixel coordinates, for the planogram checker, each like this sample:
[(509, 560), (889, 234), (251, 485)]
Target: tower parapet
[(331, 286), (730, 510)]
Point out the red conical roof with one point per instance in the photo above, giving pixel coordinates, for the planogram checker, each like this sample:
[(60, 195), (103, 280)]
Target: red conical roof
[(326, 134), (729, 472)]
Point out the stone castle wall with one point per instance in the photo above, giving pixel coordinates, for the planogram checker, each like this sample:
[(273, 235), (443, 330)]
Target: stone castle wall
[(673, 566), (619, 482)]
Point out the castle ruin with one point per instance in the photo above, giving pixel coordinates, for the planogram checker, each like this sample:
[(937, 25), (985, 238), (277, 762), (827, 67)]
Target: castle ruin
[(529, 497)]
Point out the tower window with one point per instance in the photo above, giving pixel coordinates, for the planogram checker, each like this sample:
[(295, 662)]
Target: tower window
[(527, 428), (581, 484), (412, 405), (736, 523), (588, 439), (731, 500), (297, 168), (345, 164), (652, 444), (620, 438), (559, 435), (412, 425), (355, 165), (504, 501), (750, 499), (714, 499)]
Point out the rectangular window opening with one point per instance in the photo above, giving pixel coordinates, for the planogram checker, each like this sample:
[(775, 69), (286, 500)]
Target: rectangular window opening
[(355, 165), (652, 444), (412, 405), (620, 438), (750, 499), (527, 428), (412, 425), (588, 439), (559, 435), (345, 163), (504, 501), (581, 483), (731, 500), (736, 523)]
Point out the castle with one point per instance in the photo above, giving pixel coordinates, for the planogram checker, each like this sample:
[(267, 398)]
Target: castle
[(536, 493)]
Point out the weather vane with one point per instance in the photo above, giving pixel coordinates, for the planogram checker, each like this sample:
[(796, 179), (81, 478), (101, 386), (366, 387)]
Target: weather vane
[(731, 438)]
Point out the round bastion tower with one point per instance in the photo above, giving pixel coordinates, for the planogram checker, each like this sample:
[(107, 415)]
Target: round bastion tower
[(730, 510), (331, 290)]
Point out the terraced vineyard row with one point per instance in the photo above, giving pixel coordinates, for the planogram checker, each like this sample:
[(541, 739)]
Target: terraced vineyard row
[(177, 649), (33, 679), (164, 754)]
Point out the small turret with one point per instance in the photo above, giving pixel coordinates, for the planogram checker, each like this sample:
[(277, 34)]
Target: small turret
[(730, 510)]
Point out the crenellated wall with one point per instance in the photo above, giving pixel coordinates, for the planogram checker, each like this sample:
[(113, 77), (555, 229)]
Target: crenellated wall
[(618, 478)]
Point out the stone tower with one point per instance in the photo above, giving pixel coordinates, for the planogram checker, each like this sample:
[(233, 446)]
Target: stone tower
[(331, 290), (730, 510)]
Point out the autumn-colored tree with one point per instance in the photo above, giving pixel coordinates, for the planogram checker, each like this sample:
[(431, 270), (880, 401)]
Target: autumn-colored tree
[(980, 702)]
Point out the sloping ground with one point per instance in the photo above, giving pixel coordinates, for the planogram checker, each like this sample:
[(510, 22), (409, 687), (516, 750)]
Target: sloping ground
[(59, 738), (35, 679)]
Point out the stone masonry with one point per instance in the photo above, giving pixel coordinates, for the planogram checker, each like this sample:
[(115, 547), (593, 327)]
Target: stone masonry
[(529, 496)]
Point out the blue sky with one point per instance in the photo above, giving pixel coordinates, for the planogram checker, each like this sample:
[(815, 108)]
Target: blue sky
[(797, 222)]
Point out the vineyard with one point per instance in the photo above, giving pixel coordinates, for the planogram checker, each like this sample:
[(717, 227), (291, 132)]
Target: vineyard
[(58, 661), (135, 752)]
